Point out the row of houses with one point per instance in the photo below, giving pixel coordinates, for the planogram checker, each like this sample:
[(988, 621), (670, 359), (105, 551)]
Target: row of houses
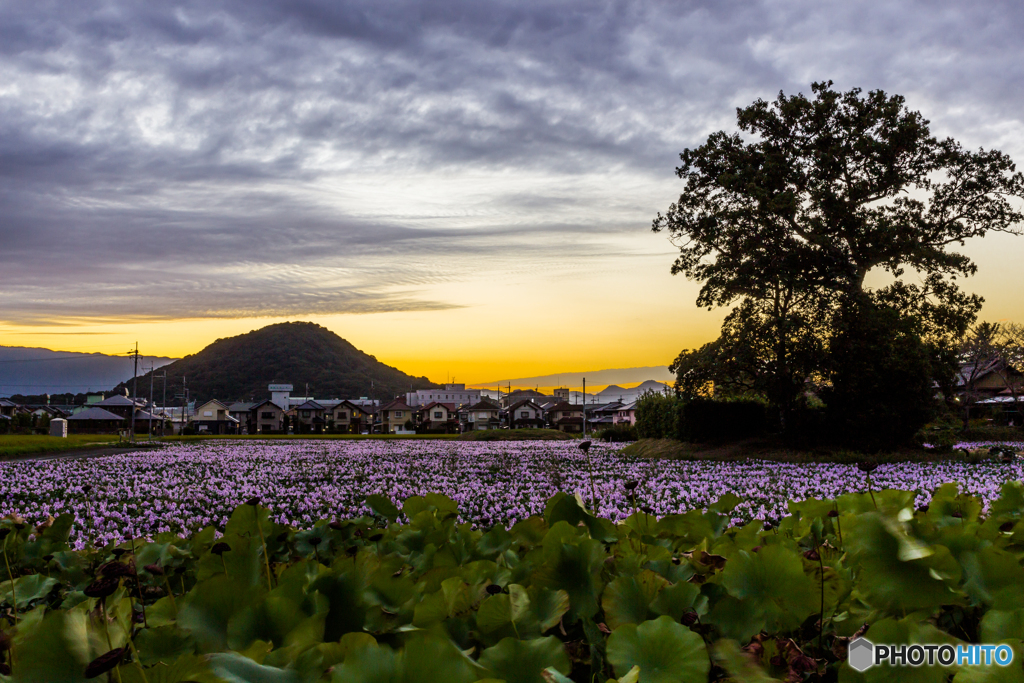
[(464, 410), (398, 417)]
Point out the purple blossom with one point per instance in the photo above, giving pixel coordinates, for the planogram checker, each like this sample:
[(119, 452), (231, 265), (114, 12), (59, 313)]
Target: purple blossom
[(186, 487)]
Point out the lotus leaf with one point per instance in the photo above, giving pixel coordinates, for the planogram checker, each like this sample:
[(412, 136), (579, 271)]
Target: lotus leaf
[(665, 651), (383, 506), (628, 599), (524, 661)]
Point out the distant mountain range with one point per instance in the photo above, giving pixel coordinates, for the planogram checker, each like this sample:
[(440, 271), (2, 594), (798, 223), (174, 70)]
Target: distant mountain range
[(34, 371), (297, 353), (595, 378)]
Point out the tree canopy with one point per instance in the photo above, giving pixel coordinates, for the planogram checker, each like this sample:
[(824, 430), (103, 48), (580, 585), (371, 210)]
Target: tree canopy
[(787, 225)]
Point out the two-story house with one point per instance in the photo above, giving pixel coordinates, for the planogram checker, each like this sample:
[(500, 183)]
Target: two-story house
[(525, 415), (483, 415), (350, 418), (308, 417), (213, 417), (438, 416), (565, 417), (396, 415), (626, 415), (267, 417)]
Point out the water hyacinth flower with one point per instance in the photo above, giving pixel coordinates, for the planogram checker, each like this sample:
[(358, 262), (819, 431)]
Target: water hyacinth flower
[(187, 487)]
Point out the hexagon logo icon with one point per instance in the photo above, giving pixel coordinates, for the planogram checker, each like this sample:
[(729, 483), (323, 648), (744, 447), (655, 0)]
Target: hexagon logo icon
[(861, 654)]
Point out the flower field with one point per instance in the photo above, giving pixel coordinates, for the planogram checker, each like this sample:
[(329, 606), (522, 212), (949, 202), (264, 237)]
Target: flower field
[(187, 487)]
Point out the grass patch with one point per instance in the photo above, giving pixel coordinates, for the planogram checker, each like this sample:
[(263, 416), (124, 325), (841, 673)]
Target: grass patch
[(16, 445), (514, 435), (770, 449), (296, 437)]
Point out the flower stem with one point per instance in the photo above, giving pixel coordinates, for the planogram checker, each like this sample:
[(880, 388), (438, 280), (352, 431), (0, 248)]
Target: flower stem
[(266, 558), (14, 596)]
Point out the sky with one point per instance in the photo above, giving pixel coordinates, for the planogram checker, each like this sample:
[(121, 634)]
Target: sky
[(461, 188)]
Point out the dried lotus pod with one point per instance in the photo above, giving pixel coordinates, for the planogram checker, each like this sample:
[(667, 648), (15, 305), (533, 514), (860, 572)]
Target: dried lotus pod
[(104, 663), (102, 587)]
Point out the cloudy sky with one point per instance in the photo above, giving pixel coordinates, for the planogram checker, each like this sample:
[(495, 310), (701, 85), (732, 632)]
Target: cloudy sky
[(461, 188)]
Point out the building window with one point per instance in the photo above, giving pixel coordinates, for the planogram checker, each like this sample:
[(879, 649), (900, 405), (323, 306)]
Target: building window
[(207, 413), (524, 414), (438, 415), (398, 413), (342, 415), (267, 415)]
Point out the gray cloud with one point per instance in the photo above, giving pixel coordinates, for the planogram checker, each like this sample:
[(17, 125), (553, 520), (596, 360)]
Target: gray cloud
[(162, 160)]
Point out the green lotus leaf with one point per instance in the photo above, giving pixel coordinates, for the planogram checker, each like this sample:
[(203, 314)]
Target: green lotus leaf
[(426, 657), (271, 620), (689, 528), (182, 670), (734, 618), (347, 609), (1010, 504), (772, 585), (665, 651), (726, 503), (836, 585), (442, 503), (529, 532), (164, 644), (372, 664), (575, 568), (232, 667), (207, 611), (499, 611), (524, 661), (548, 606), (678, 599), (740, 667), (993, 576), (54, 648), (898, 572), (249, 521), (497, 540), (163, 612), (627, 599), (242, 562), (28, 589), (1002, 625), (382, 506), (565, 508), (50, 540)]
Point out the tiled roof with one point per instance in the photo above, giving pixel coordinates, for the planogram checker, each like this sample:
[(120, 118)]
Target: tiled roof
[(516, 406), (118, 400), (96, 414)]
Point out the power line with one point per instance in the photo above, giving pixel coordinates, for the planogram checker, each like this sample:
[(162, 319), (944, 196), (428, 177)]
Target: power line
[(40, 360), (53, 384)]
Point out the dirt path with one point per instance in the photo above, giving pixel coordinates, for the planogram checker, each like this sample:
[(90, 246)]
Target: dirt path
[(78, 453)]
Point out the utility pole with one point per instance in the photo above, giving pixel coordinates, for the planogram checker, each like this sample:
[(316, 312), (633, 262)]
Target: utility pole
[(135, 391), (163, 376), (584, 397), (184, 408), (152, 403)]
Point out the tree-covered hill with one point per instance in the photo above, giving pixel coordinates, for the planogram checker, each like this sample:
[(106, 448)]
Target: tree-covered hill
[(240, 368)]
